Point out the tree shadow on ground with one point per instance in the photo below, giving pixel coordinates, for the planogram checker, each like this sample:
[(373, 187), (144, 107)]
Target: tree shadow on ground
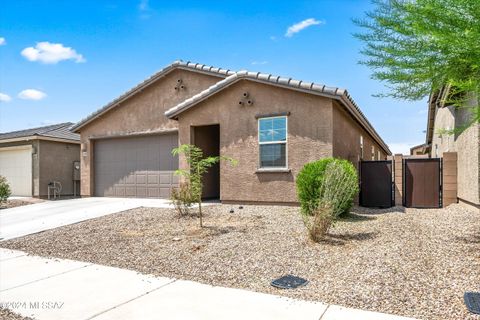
[(376, 211), (354, 217), (218, 231), (469, 239), (343, 238)]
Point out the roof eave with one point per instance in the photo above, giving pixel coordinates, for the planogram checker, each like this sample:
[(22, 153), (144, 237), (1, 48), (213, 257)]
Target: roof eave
[(39, 137), (338, 94), (178, 64)]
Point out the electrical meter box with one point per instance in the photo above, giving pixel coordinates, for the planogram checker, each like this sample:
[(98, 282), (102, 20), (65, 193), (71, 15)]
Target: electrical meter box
[(76, 171)]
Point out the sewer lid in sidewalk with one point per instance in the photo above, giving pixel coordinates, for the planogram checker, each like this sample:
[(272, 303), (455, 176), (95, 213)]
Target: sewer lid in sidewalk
[(289, 282), (472, 301)]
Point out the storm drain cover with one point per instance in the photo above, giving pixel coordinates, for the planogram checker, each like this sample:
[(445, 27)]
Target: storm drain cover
[(472, 301), (289, 282)]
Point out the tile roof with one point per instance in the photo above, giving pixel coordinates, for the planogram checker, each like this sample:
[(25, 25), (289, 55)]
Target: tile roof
[(333, 92), (179, 64), (58, 131)]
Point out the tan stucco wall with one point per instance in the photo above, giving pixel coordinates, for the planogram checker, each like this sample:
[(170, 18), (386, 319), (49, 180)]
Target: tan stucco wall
[(309, 138), (141, 113), (56, 164), (346, 138), (467, 146)]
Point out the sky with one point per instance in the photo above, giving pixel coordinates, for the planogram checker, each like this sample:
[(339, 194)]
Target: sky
[(62, 60)]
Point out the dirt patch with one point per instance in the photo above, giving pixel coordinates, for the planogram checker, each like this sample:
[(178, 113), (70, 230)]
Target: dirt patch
[(412, 262)]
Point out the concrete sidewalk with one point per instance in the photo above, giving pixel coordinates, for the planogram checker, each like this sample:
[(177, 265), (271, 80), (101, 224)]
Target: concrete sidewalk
[(33, 218), (61, 289)]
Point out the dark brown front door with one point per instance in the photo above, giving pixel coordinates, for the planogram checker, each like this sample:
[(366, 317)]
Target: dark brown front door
[(422, 183), (376, 184), (207, 138)]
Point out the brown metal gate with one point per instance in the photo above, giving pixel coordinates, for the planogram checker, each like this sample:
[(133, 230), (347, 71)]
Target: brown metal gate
[(422, 183), (376, 187)]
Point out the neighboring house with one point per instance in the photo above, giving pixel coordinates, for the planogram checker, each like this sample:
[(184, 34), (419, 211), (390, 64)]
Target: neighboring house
[(271, 125), (31, 159), (421, 149), (443, 117)]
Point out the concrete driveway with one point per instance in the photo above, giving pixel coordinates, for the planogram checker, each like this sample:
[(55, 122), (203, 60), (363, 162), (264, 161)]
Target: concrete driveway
[(33, 218)]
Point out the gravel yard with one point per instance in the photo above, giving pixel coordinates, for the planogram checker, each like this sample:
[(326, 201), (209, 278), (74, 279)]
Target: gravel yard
[(18, 203), (6, 314), (408, 262)]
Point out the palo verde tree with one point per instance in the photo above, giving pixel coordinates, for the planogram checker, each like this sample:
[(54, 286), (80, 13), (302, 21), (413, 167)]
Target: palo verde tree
[(419, 46), (198, 165)]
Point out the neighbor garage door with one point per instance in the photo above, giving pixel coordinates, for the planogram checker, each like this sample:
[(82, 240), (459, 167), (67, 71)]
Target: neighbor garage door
[(140, 167), (16, 166)]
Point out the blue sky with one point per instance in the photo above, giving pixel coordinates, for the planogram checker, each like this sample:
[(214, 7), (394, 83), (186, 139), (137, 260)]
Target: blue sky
[(62, 60)]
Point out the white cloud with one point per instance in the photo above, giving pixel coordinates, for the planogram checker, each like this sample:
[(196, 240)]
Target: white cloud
[(297, 27), (144, 9), (259, 62), (51, 53), (4, 97), (3, 41), (402, 147), (32, 94), (143, 6)]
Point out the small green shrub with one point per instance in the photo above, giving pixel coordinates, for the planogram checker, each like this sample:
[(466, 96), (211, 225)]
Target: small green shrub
[(337, 187), (310, 187), (183, 198), (5, 191)]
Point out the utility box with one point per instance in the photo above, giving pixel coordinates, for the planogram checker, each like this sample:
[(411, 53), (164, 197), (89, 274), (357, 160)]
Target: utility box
[(76, 171)]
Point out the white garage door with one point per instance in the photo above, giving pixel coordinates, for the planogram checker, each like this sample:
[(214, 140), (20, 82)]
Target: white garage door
[(16, 166)]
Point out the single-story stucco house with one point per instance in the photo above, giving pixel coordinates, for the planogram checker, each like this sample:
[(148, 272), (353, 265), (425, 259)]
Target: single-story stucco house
[(271, 125), (31, 159), (442, 118)]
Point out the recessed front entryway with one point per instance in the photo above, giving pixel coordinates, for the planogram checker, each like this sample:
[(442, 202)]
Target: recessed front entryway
[(138, 167), (207, 138)]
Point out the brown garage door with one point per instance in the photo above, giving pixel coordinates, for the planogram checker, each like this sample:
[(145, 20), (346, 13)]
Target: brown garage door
[(140, 167), (422, 183)]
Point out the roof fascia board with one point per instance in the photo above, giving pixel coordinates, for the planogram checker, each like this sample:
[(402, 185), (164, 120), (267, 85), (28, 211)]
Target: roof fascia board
[(37, 137)]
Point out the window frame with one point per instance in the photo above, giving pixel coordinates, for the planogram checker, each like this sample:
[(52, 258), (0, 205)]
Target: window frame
[(272, 142)]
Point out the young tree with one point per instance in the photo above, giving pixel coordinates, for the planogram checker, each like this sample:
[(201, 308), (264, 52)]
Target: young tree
[(420, 46), (198, 166)]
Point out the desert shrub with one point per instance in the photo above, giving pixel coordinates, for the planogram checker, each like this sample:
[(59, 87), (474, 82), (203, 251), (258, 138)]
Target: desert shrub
[(5, 191), (336, 191), (183, 198), (310, 187), (309, 181), (319, 222)]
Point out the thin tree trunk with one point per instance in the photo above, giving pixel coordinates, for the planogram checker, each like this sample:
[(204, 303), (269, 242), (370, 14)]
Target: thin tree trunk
[(200, 211)]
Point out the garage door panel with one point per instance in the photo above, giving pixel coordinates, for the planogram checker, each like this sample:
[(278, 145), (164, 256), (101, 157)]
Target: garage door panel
[(16, 167), (135, 167)]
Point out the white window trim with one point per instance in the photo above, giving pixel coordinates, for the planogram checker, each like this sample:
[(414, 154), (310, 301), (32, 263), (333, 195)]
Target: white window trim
[(273, 142)]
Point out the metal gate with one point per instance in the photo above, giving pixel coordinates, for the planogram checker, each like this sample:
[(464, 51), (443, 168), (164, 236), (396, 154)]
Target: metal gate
[(422, 185), (376, 185)]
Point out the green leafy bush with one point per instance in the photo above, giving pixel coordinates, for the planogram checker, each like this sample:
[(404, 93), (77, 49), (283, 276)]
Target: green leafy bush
[(336, 187), (310, 187), (5, 191)]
